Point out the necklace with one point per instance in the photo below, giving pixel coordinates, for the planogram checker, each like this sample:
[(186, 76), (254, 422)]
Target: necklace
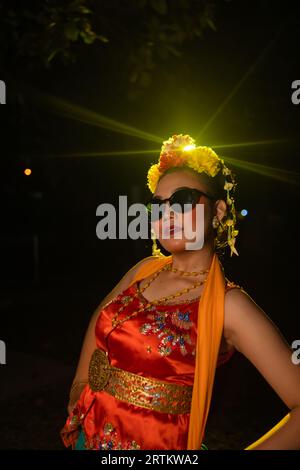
[(186, 273), (115, 319)]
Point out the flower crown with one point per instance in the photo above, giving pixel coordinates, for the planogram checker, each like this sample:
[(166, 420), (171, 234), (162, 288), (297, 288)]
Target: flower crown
[(181, 151)]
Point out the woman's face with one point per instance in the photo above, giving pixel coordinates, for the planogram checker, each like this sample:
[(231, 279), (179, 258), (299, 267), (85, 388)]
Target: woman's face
[(173, 230)]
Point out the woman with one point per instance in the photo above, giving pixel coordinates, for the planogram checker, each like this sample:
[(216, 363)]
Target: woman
[(148, 361)]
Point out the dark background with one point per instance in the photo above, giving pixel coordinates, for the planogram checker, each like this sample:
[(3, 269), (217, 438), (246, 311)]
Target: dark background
[(238, 57)]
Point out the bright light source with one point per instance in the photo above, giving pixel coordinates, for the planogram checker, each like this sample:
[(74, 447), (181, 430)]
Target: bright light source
[(244, 212), (189, 147), (27, 172)]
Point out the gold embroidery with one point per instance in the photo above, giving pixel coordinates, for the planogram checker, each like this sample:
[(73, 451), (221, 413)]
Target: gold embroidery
[(141, 391), (109, 441), (150, 393), (166, 326), (99, 370)]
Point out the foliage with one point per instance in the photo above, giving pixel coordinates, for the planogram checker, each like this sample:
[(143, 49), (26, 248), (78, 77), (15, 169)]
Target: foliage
[(147, 32)]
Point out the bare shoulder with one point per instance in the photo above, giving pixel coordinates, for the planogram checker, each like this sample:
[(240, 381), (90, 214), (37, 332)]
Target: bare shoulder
[(129, 275), (243, 317), (240, 308), (124, 282), (144, 261), (132, 272)]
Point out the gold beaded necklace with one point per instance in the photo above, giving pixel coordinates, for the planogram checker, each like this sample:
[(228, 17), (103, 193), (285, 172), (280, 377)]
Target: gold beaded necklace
[(186, 273), (116, 321)]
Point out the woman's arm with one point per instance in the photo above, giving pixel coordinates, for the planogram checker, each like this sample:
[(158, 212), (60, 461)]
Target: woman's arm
[(89, 343), (252, 332)]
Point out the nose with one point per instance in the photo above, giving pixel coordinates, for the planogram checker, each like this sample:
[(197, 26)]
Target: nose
[(168, 214)]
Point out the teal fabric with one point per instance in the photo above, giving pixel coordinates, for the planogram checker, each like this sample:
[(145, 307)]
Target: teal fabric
[(80, 442)]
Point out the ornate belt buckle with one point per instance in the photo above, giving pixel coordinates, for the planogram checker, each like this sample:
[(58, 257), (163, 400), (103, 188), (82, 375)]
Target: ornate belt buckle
[(99, 370)]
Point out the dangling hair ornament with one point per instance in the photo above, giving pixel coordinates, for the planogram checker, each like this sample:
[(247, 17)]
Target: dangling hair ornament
[(155, 250), (181, 151)]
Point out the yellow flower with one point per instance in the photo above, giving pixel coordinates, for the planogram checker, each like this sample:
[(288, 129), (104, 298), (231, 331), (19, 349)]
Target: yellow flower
[(194, 162), (228, 186), (153, 177), (210, 160), (225, 170), (203, 159)]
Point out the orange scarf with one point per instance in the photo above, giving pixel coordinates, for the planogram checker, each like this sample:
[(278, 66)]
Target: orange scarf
[(210, 326), (210, 330)]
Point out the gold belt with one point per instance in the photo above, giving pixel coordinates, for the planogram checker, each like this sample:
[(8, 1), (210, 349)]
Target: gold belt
[(140, 391)]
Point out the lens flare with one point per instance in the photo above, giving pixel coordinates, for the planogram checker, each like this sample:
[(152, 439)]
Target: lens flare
[(78, 113)]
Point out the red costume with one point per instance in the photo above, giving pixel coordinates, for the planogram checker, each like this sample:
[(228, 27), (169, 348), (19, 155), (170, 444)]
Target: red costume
[(159, 343)]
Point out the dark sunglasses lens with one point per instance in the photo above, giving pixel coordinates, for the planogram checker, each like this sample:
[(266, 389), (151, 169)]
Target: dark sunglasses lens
[(177, 201), (184, 196)]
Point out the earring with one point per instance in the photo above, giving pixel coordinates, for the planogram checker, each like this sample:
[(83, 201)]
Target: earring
[(215, 222), (155, 251)]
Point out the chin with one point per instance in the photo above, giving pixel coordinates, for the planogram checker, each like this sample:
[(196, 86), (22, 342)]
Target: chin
[(174, 246)]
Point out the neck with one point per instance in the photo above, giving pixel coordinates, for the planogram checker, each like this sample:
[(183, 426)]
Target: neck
[(193, 260)]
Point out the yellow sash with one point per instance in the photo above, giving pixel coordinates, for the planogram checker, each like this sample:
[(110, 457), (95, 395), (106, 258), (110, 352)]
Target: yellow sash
[(210, 330)]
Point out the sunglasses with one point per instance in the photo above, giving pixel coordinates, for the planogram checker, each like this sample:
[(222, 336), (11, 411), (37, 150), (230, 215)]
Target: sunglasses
[(156, 207)]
